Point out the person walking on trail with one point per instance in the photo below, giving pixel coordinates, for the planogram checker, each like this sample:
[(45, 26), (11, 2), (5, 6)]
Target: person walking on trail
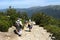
[(19, 27), (29, 26)]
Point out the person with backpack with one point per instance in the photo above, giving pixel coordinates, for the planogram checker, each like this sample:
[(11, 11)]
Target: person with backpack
[(29, 26), (19, 27)]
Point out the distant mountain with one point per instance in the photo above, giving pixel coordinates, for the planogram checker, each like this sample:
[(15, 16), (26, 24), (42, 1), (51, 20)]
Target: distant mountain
[(51, 10)]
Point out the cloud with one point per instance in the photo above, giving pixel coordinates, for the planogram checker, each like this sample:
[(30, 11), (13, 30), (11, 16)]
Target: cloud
[(27, 3)]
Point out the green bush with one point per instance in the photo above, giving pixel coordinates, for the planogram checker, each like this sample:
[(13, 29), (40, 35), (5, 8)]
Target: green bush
[(4, 25), (55, 30)]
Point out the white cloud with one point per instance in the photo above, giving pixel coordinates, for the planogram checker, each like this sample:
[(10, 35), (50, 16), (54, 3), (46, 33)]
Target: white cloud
[(26, 3)]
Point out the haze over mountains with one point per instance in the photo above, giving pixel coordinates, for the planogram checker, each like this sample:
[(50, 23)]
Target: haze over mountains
[(51, 10)]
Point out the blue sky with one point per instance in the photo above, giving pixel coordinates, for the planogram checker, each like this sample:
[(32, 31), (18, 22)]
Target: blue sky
[(27, 3)]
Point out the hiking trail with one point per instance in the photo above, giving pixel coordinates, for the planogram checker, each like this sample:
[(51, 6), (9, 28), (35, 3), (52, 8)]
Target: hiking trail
[(37, 33)]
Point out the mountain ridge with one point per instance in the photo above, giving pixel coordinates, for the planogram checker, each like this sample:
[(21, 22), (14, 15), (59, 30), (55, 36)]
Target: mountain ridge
[(51, 10)]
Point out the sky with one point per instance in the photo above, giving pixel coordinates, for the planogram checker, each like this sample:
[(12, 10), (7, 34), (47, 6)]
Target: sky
[(27, 3)]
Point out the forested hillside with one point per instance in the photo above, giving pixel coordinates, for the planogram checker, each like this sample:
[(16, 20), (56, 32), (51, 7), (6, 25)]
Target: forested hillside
[(51, 10)]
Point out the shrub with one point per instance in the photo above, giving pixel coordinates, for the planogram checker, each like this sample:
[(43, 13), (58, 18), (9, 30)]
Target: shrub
[(55, 30), (4, 25)]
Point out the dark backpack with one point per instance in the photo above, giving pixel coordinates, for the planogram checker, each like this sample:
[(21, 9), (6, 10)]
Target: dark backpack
[(29, 26)]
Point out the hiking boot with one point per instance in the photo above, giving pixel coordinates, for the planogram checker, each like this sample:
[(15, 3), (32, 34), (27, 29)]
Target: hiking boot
[(19, 35), (15, 32)]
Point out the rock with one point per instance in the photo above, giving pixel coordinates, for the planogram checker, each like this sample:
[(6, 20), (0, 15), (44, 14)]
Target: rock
[(37, 33)]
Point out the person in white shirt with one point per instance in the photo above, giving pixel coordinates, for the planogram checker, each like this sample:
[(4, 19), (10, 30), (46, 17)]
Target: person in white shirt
[(19, 27)]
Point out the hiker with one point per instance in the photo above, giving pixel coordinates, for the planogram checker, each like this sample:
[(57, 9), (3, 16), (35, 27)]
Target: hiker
[(29, 26), (26, 23), (18, 26)]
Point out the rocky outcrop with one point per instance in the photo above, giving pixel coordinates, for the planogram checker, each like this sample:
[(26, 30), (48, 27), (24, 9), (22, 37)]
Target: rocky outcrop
[(37, 33)]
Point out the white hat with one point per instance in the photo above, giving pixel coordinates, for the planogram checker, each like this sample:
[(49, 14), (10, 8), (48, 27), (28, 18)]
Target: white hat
[(18, 20)]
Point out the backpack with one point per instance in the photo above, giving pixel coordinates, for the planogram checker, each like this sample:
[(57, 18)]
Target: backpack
[(29, 26), (17, 24)]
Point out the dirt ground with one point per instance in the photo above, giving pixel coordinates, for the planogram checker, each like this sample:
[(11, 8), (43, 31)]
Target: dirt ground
[(37, 33)]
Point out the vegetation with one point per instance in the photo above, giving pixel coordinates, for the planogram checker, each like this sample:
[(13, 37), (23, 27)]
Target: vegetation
[(8, 18), (55, 30), (5, 23), (51, 24)]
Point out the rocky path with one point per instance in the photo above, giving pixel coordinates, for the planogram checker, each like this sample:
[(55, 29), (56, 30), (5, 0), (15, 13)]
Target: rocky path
[(37, 33)]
